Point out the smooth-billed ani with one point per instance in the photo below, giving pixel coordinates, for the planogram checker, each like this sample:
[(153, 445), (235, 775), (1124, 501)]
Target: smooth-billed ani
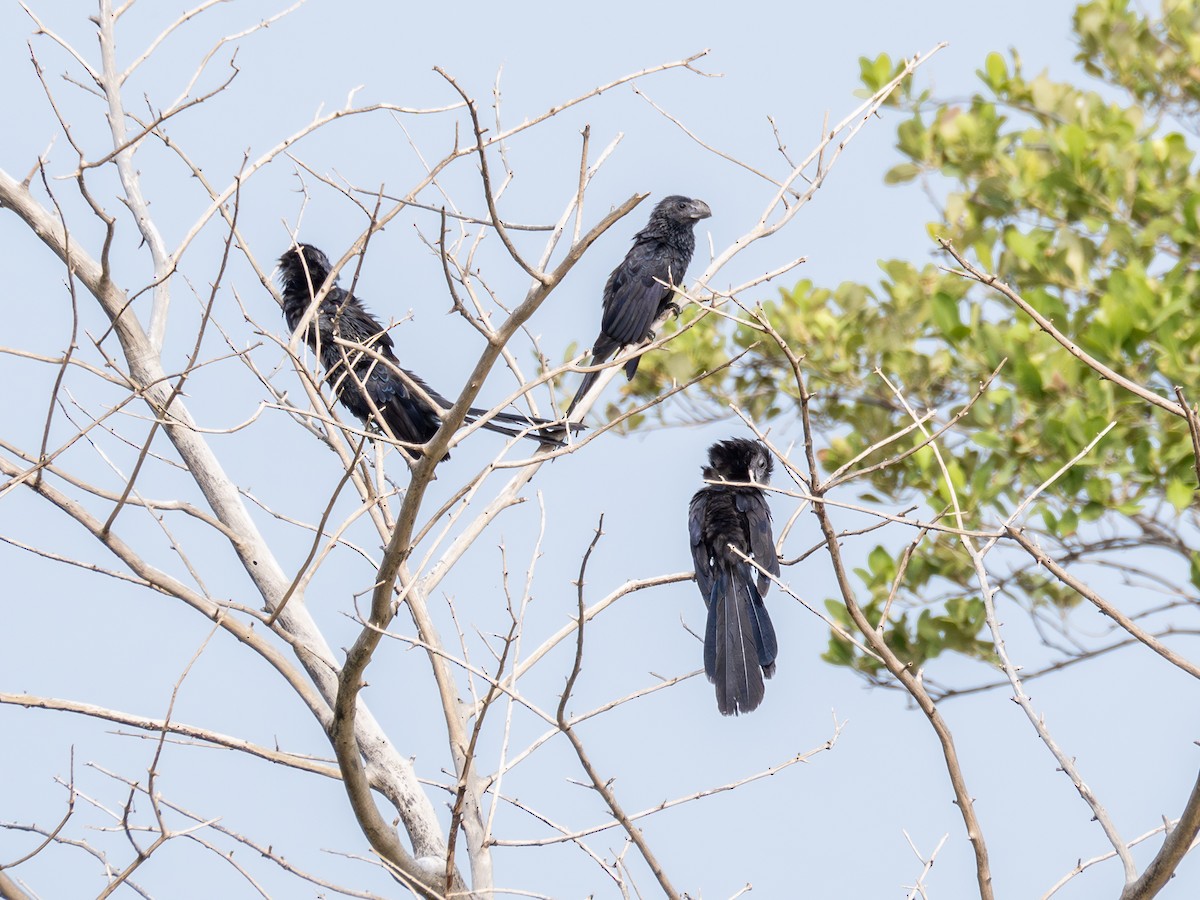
[(739, 640), (635, 295), (369, 384)]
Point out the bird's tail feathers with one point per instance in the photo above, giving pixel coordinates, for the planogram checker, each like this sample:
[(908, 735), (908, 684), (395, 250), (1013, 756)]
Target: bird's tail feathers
[(765, 642), (410, 420), (589, 379), (541, 430), (739, 641), (602, 352)]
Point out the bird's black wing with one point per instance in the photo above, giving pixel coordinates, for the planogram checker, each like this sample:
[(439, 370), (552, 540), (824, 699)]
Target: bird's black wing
[(353, 323), (634, 293), (757, 516), (368, 379), (697, 513), (408, 416), (632, 297)]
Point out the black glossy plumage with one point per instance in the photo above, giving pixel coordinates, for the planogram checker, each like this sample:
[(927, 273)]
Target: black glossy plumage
[(739, 640), (370, 388), (634, 295)]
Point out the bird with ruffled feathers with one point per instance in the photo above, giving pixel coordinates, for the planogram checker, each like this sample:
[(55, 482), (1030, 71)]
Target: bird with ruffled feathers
[(728, 523), (370, 382)]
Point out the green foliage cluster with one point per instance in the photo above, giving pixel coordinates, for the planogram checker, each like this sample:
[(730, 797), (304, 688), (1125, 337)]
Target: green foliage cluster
[(1085, 201)]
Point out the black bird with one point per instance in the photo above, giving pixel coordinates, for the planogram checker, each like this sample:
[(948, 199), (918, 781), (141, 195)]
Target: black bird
[(634, 295), (370, 387), (739, 641)]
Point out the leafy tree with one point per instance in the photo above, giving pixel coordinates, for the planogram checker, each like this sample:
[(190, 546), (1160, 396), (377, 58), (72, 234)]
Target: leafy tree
[(1084, 199)]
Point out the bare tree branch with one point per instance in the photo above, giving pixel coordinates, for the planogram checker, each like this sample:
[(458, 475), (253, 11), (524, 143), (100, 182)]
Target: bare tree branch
[(600, 784)]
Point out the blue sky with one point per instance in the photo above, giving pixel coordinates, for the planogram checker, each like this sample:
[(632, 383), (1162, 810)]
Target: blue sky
[(831, 828)]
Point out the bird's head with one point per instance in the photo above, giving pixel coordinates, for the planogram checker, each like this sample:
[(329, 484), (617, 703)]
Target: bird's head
[(682, 209), (294, 263), (740, 459)]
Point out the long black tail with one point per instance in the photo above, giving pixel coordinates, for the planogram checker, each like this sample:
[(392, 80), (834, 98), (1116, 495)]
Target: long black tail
[(739, 641), (601, 353), (543, 430), (410, 418)]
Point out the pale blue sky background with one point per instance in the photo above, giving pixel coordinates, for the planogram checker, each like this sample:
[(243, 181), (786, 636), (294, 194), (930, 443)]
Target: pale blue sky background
[(832, 828)]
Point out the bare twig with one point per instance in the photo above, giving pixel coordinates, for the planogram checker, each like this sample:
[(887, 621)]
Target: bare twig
[(1047, 326), (599, 783), (1179, 841), (1047, 562), (892, 663), (1066, 763)]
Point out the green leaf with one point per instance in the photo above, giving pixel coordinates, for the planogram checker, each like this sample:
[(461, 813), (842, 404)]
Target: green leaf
[(945, 314), (1180, 493), (875, 73), (904, 172), (881, 564), (840, 652), (995, 71)]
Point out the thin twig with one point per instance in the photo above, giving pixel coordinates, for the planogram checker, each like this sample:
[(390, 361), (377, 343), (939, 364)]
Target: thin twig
[(600, 784), (1047, 326), (1051, 566)]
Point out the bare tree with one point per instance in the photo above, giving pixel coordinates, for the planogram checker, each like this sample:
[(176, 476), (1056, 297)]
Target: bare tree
[(121, 451)]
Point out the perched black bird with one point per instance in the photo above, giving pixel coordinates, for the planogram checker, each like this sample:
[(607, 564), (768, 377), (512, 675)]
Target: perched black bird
[(739, 641), (369, 387), (634, 295)]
